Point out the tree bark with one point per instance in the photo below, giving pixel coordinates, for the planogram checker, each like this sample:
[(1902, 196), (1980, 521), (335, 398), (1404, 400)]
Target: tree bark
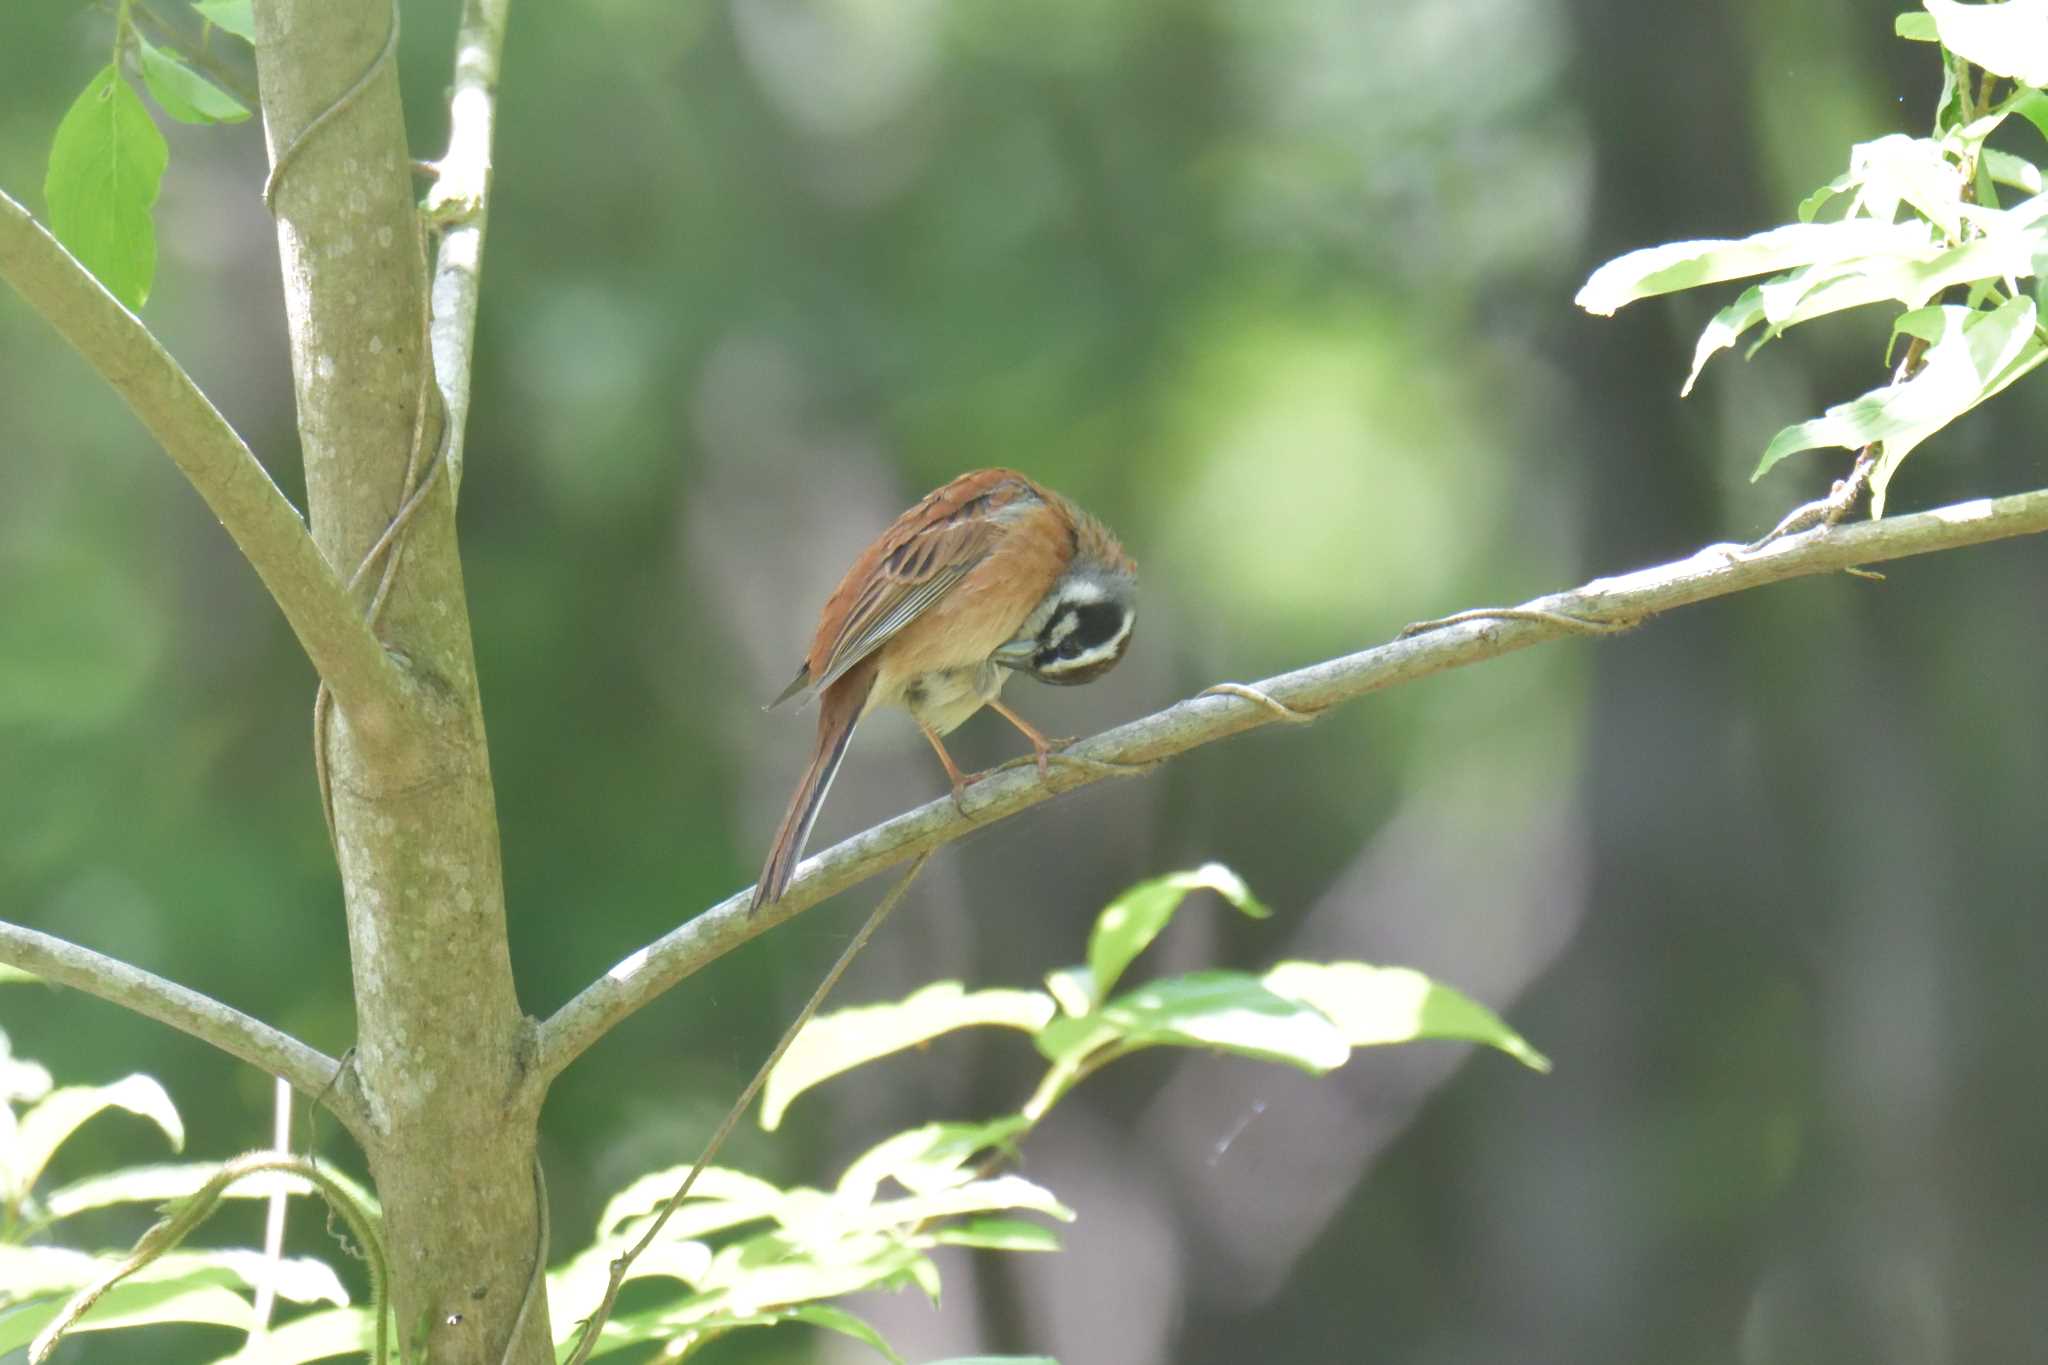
[(441, 1042)]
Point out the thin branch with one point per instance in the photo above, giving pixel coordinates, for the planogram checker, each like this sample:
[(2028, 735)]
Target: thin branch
[(458, 206), (201, 443), (1596, 607), (311, 1073)]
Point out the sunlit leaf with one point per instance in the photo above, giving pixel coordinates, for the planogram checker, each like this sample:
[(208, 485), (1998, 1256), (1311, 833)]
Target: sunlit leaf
[(576, 1287), (772, 1270), (20, 1081), (1916, 26), (1812, 204), (934, 1156), (37, 1271), (1685, 265), (1910, 282), (1073, 988), (1724, 331), (1972, 356), (2007, 169), (1897, 169), (836, 1042), (45, 1127), (184, 94), (32, 1272), (1000, 1234), (1377, 1005), (997, 1194), (133, 1304), (685, 1327), (727, 1197), (1066, 1038), (2032, 106), (106, 163), (157, 1183), (2009, 39), (236, 16), (846, 1324), (1229, 1011), (316, 1336), (1127, 926), (300, 1279)]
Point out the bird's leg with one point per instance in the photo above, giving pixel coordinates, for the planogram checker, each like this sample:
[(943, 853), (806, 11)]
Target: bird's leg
[(1041, 747), (952, 770)]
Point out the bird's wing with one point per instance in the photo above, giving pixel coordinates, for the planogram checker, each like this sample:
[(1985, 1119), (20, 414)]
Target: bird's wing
[(918, 560)]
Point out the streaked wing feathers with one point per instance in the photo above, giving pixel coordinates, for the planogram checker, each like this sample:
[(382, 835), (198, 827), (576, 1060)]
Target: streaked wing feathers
[(913, 575)]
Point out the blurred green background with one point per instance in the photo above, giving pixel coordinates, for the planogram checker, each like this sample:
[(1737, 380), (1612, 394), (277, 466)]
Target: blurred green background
[(1282, 292)]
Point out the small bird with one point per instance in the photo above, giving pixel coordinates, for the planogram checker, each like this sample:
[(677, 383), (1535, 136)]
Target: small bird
[(990, 575)]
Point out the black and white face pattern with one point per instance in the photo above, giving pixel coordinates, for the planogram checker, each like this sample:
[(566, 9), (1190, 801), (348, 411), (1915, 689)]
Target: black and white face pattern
[(1086, 631)]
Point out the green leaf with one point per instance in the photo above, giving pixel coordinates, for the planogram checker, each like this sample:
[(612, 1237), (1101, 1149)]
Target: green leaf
[(236, 16), (2009, 39), (1916, 26), (106, 163), (134, 1304), (1973, 355), (721, 1198), (934, 1156), (1229, 1011), (839, 1041), (1127, 926), (184, 94), (45, 1127), (20, 1082), (1724, 331), (33, 1272), (2005, 255), (1812, 204), (1686, 265), (775, 1270), (316, 1336), (1069, 1039), (995, 1195), (2006, 169), (301, 1279), (2032, 106), (1372, 1006), (156, 1184), (37, 1271), (1925, 323), (846, 1324), (1896, 169), (1001, 1234), (1073, 987)]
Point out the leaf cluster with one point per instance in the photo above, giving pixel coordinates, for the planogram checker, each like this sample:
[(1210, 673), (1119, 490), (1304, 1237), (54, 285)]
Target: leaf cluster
[(740, 1252), (1944, 227), (107, 158)]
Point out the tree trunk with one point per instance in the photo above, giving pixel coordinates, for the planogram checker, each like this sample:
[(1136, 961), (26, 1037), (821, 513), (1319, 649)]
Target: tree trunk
[(441, 1043)]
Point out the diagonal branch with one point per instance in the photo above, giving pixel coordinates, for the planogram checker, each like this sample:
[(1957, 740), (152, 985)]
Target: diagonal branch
[(311, 1073), (202, 444), (1602, 606)]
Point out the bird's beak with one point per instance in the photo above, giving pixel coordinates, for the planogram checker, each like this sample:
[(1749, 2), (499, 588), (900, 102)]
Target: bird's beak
[(1016, 654)]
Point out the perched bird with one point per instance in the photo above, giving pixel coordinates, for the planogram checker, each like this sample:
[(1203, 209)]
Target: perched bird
[(990, 575)]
